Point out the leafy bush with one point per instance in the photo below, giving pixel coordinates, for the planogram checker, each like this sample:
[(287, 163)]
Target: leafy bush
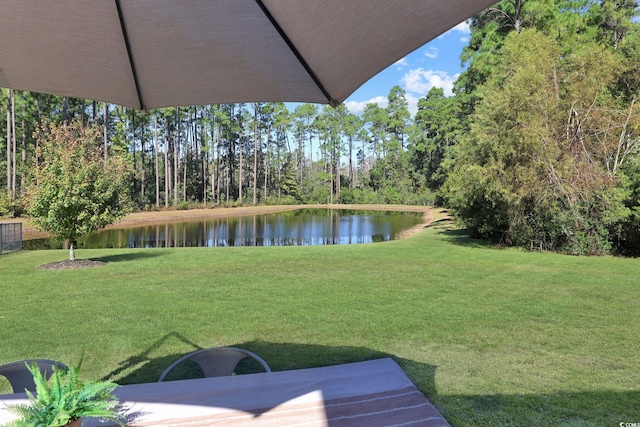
[(367, 196), (4, 204), (284, 200), (318, 195), (392, 196), (519, 176), (15, 208), (425, 197), (347, 196)]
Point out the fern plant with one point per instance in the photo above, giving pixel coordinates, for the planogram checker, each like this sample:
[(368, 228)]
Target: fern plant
[(64, 398)]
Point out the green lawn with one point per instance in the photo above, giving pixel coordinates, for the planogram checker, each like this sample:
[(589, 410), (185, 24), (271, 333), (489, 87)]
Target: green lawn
[(492, 337)]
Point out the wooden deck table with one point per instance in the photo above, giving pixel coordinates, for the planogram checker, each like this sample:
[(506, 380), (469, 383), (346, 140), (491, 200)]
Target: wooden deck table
[(368, 394)]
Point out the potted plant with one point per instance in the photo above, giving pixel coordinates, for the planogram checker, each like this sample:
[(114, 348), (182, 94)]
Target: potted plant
[(63, 400)]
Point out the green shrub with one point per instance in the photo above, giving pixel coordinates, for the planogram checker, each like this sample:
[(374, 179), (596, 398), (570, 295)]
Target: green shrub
[(16, 208), (283, 200), (347, 196), (392, 196), (425, 197), (319, 194), (4, 204)]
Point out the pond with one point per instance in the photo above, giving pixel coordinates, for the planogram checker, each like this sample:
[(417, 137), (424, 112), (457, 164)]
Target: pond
[(295, 228)]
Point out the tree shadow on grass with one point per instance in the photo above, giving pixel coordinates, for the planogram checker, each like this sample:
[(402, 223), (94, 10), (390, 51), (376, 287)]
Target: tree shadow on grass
[(461, 237), (144, 368), (564, 409), (287, 356), (575, 409), (279, 356), (130, 256)]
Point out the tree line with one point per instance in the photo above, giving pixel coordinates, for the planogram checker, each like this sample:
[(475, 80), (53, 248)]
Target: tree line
[(538, 147), (228, 154)]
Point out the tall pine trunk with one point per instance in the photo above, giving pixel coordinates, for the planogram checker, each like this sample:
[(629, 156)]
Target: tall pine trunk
[(105, 130), (142, 162), (176, 143), (9, 141), (215, 170), (23, 144), (351, 175), (167, 175), (13, 144), (155, 158), (133, 148), (218, 168), (266, 165), (337, 166), (331, 180), (185, 165), (255, 155), (240, 176)]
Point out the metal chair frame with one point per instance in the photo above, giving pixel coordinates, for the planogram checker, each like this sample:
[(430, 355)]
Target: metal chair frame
[(21, 379), (217, 361)]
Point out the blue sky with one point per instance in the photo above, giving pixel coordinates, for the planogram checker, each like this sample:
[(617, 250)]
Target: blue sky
[(435, 64)]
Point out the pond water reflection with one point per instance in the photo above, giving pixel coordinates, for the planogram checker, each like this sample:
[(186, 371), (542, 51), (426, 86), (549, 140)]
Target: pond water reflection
[(295, 228)]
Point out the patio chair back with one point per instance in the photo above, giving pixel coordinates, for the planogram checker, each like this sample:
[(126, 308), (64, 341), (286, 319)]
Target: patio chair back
[(217, 362), (21, 379)]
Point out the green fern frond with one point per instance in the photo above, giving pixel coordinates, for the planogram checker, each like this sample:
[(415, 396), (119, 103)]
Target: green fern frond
[(96, 390), (64, 398), (42, 387)]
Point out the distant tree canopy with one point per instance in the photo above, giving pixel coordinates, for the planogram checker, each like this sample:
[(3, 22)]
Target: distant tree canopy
[(78, 187), (538, 147)]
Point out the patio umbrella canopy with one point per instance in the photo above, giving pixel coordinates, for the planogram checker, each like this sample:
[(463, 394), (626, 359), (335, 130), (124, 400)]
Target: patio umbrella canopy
[(148, 54)]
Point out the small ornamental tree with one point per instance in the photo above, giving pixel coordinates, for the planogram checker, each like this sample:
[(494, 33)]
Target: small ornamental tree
[(78, 189)]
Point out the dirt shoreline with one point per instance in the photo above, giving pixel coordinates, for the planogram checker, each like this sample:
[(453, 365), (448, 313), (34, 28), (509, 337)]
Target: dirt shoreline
[(135, 219)]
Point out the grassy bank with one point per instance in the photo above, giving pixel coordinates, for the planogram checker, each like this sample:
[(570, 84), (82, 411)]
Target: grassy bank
[(492, 337)]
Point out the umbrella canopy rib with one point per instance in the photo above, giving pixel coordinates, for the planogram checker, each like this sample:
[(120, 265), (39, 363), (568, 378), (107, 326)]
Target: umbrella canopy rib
[(333, 102), (131, 61)]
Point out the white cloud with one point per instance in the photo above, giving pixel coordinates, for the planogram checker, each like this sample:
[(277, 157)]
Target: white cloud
[(431, 52), (358, 107), (413, 103), (464, 39), (463, 27), (420, 81), (401, 63), (417, 84)]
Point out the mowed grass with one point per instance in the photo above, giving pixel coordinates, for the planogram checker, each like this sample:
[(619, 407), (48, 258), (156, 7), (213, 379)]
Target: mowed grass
[(490, 336)]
